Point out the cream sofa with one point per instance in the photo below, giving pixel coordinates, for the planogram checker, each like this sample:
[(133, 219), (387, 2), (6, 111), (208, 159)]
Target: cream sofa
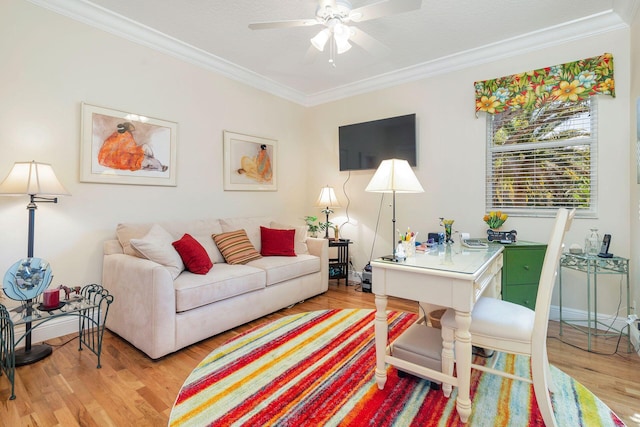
[(160, 309)]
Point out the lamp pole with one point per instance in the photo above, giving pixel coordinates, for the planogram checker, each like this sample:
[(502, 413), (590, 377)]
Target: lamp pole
[(31, 354)]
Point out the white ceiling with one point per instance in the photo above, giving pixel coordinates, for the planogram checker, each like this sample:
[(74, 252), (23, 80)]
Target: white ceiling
[(443, 35)]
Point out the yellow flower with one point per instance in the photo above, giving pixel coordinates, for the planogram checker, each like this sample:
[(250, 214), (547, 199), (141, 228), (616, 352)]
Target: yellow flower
[(487, 104), (607, 85), (568, 91), (495, 219)]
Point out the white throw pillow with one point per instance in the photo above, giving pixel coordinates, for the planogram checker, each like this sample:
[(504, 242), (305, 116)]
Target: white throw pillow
[(156, 246)]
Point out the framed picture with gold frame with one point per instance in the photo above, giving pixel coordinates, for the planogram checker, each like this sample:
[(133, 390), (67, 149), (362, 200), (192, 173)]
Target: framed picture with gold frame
[(119, 147), (249, 163)]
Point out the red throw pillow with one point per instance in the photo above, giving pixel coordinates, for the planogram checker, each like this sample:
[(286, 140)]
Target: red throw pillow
[(193, 255), (277, 242)]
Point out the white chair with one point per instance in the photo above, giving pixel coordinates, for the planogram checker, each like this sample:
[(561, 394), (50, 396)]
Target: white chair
[(511, 328)]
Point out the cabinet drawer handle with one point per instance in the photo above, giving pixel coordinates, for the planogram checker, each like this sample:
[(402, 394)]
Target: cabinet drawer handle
[(526, 267)]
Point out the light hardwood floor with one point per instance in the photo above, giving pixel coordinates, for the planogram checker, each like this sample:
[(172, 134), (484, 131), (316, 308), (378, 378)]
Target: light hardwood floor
[(66, 389)]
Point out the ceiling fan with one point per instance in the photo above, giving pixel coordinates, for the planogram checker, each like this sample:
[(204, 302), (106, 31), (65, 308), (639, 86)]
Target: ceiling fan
[(335, 15)]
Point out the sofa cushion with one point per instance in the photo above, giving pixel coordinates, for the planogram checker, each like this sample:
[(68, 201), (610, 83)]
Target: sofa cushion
[(236, 247), (201, 230), (194, 256), (127, 231), (277, 242), (300, 239), (250, 225), (156, 246), (279, 268), (221, 282)]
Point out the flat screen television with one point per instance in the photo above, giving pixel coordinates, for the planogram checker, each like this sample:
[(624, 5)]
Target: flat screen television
[(364, 145)]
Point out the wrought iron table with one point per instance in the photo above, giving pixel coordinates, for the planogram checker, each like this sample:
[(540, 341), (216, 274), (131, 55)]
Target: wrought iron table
[(593, 266), (91, 306)]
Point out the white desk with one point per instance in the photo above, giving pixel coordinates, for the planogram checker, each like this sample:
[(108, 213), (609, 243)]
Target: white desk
[(447, 277)]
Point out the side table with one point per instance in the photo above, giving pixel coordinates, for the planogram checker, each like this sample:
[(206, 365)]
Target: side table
[(91, 307), (339, 266), (593, 266)]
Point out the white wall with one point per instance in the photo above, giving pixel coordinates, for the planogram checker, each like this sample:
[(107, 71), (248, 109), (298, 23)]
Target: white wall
[(50, 64), (634, 158), (451, 159)]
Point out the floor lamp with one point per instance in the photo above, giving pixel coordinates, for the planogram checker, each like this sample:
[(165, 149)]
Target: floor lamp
[(328, 201), (394, 176), (39, 182)]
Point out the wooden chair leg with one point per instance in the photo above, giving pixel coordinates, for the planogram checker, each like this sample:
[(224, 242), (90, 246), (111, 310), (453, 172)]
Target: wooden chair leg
[(447, 358), (540, 374)]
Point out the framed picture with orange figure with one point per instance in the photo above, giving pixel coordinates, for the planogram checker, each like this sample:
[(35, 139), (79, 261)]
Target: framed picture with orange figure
[(119, 147), (249, 163)]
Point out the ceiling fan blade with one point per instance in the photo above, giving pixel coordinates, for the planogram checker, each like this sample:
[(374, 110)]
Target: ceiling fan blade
[(284, 24), (368, 43), (384, 8)]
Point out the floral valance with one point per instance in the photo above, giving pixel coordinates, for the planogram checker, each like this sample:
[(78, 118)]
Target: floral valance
[(572, 81)]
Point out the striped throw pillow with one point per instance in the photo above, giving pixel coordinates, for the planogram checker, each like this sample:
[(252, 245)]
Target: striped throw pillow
[(236, 247)]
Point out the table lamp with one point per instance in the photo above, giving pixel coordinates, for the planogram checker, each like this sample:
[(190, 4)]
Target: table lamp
[(328, 201), (394, 176), (39, 182)]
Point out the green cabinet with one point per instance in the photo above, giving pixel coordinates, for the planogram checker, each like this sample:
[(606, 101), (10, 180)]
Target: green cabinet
[(522, 265)]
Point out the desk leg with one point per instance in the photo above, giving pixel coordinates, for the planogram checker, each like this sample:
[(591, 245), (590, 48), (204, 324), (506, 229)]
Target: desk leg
[(463, 358), (381, 331)]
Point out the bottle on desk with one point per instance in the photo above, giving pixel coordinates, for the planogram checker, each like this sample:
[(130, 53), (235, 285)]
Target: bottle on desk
[(592, 242)]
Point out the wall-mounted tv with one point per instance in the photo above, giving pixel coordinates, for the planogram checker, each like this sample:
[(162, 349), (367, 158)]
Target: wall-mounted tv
[(365, 145)]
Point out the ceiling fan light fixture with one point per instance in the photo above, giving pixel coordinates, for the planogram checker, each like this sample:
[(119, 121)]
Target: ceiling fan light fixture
[(319, 41), (342, 45)]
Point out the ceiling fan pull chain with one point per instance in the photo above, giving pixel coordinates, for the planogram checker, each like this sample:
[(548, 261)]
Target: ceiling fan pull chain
[(332, 50)]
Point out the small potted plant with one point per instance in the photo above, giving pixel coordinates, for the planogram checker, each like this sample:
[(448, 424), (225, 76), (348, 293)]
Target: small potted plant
[(312, 226)]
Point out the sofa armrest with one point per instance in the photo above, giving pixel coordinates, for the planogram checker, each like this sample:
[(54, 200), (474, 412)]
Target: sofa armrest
[(320, 248), (110, 247), (144, 307)]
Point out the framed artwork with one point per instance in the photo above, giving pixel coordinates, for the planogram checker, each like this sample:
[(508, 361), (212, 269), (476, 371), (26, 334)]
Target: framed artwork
[(119, 147), (249, 163)]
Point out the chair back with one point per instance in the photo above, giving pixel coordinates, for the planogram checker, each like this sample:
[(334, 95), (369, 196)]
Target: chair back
[(548, 277)]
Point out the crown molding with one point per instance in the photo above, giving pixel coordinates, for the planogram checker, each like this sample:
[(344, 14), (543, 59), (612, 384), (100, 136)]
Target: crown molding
[(121, 26), (627, 9), (531, 42)]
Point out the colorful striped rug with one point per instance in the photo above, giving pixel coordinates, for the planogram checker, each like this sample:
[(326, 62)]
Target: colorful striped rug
[(317, 368)]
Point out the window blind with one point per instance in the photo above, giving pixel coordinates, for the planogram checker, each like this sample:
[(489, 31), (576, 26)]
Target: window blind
[(541, 159)]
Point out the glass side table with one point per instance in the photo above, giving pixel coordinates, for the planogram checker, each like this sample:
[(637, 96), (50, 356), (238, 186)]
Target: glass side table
[(593, 266), (90, 306)]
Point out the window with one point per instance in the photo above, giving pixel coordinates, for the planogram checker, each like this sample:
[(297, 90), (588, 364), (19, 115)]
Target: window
[(541, 159)]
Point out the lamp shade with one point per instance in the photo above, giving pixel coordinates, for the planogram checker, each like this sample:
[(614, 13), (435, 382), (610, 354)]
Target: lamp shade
[(321, 39), (32, 178), (327, 198), (394, 176)]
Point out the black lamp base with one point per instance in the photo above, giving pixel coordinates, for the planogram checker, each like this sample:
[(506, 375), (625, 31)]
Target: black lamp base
[(35, 354)]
